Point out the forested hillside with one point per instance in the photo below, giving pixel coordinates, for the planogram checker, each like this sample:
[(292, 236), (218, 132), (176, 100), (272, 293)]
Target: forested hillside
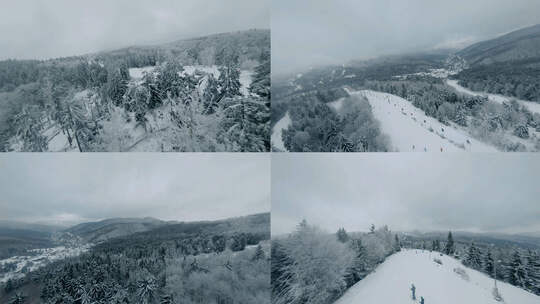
[(312, 266), (205, 94), (226, 261), (508, 65)]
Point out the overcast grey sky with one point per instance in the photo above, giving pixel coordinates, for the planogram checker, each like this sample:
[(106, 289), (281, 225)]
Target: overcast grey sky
[(426, 192), (70, 188), (316, 32), (53, 28)]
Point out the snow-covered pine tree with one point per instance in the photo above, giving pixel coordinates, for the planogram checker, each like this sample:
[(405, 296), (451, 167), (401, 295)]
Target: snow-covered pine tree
[(116, 85), (245, 125), (229, 77), (29, 127), (436, 245), (450, 247), (473, 258), (259, 253), (517, 275), (397, 244), (488, 263), (210, 95), (260, 84), (359, 268), (533, 272), (342, 235), (74, 118)]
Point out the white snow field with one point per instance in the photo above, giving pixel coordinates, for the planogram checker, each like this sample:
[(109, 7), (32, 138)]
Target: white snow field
[(138, 73), (531, 106), (411, 130), (390, 283), (276, 139)]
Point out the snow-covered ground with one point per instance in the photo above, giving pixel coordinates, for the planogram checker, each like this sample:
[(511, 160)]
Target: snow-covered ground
[(39, 258), (137, 74), (208, 69), (531, 106), (282, 124), (437, 73), (411, 130), (390, 283), (245, 81)]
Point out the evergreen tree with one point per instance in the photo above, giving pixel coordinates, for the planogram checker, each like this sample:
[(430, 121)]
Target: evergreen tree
[(259, 254), (517, 274), (116, 86), (397, 244), (473, 257), (146, 290), (359, 268), (533, 272), (210, 95), (488, 263), (245, 125), (449, 248), (342, 235), (436, 245), (229, 78), (29, 128), (260, 84)]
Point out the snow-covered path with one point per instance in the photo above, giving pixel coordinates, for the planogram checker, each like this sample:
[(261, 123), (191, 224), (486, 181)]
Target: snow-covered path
[(411, 130), (390, 283), (531, 106), (282, 124)]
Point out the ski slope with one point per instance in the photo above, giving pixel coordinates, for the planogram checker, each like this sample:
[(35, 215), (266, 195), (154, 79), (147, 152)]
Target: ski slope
[(276, 139), (411, 130), (390, 283), (531, 106)]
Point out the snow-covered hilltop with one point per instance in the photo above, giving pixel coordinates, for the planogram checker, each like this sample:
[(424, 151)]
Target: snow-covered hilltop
[(446, 283)]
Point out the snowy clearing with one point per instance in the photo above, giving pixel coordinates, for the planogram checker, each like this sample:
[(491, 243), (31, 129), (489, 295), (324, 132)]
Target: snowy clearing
[(245, 81), (276, 139), (390, 283), (531, 106), (208, 69), (138, 73), (411, 130)]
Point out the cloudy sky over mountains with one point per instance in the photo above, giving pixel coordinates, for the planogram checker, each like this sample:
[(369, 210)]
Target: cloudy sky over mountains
[(426, 192), (70, 188)]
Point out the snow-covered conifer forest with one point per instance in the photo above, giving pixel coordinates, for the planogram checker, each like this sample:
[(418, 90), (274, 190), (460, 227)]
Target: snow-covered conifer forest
[(208, 93)]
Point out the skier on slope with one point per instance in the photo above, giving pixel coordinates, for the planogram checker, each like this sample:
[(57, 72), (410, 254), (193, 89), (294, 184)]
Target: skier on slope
[(413, 289), (421, 300)]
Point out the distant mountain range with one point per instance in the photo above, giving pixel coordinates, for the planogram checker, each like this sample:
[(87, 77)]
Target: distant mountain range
[(16, 237), (517, 45), (530, 240), (95, 232)]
